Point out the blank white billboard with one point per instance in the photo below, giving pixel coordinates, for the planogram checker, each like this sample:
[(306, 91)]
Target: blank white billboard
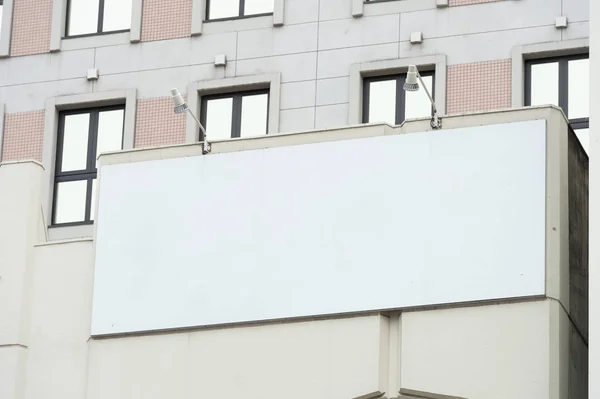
[(346, 226)]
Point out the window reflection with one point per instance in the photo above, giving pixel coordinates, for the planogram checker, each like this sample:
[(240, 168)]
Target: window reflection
[(70, 201), (93, 200), (417, 102), (382, 101), (117, 15), (386, 100), (83, 17), (579, 89), (82, 136), (223, 9), (110, 131), (75, 142), (562, 81), (219, 118), (584, 138), (544, 84), (258, 7), (234, 115), (254, 115)]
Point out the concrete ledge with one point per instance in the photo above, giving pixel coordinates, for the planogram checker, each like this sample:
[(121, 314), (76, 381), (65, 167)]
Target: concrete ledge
[(28, 161)]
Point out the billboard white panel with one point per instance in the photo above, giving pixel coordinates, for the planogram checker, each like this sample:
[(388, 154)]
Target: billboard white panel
[(345, 226)]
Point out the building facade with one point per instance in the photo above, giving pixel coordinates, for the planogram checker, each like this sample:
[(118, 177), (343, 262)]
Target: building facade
[(79, 79)]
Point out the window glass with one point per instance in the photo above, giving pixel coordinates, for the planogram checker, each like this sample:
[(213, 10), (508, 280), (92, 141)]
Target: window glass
[(81, 137), (93, 200), (75, 142), (382, 101), (579, 89), (83, 17), (544, 83), (584, 138), (254, 115), (70, 201), (219, 118), (223, 9), (117, 15), (258, 7), (110, 131), (417, 104)]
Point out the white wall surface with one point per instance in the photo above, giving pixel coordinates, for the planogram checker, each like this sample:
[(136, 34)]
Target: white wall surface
[(19, 211), (61, 297), (384, 222), (328, 359), (493, 352)]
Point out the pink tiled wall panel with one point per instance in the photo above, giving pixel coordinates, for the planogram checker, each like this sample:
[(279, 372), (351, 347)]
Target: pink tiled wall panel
[(157, 124), (479, 87), (162, 20), (32, 25), (23, 136), (453, 3)]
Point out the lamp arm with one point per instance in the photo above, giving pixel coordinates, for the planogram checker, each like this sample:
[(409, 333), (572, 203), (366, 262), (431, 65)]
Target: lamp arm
[(428, 95), (205, 143)]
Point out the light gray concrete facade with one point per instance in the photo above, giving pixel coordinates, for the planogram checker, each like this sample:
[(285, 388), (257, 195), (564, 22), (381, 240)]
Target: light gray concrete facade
[(319, 41)]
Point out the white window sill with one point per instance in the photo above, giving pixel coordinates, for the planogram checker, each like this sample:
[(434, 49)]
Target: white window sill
[(237, 24), (200, 26), (106, 39), (70, 232), (381, 7)]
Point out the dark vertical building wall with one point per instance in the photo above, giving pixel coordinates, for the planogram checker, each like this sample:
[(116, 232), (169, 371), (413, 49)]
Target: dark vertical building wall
[(578, 268)]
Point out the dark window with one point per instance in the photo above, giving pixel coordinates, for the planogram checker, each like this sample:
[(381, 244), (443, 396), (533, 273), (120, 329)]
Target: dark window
[(82, 135), (385, 100), (226, 9), (564, 82), (240, 114), (94, 17)]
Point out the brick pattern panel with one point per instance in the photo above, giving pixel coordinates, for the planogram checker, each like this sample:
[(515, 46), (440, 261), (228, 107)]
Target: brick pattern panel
[(453, 3), (23, 136), (32, 26), (157, 124), (162, 20), (480, 86)]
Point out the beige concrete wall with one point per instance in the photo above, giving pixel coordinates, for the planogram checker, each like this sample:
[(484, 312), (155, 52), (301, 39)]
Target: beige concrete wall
[(19, 211), (60, 321), (480, 352), (317, 359)]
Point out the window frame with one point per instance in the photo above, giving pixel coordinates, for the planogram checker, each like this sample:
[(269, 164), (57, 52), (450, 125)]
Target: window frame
[(91, 171), (199, 89), (99, 25), (60, 41), (236, 108), (6, 28), (400, 93), (241, 15), (563, 84)]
